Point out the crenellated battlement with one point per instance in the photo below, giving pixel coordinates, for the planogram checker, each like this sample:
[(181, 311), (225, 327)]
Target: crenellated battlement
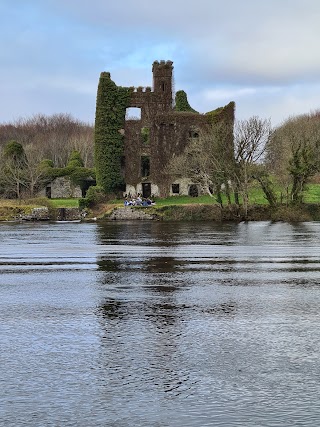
[(141, 89), (162, 64)]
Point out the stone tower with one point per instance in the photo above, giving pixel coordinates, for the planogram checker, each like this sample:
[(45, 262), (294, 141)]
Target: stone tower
[(162, 83)]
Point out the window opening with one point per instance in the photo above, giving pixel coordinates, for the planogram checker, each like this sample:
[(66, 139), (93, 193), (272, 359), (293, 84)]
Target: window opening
[(175, 188), (146, 189), (145, 166), (48, 192), (193, 190), (193, 134), (133, 113)]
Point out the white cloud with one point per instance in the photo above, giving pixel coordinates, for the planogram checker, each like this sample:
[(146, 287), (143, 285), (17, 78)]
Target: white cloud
[(263, 55)]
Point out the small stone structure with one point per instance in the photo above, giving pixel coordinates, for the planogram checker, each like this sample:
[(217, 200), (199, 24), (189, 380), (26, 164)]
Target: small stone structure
[(61, 188)]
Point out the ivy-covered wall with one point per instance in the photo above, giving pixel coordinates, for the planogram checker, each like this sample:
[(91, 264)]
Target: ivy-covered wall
[(112, 101), (182, 103), (163, 131)]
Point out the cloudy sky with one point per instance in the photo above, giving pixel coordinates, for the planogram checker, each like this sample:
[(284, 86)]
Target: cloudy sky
[(264, 55)]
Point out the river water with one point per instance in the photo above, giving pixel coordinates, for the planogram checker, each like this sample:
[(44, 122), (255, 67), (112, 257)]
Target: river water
[(160, 324)]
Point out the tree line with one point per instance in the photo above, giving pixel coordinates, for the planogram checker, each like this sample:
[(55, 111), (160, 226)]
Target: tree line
[(37, 149), (280, 160)]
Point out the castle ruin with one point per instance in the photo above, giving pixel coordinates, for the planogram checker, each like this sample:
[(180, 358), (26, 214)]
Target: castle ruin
[(161, 132)]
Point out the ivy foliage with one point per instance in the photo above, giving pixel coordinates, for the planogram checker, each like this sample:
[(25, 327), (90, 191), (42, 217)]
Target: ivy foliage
[(226, 112), (75, 160), (145, 134), (46, 164), (112, 101), (182, 103), (78, 174), (14, 151)]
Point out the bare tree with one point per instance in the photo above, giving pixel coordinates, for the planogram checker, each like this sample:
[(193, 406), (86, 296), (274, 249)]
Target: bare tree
[(56, 136), (250, 140), (83, 141), (208, 160), (35, 175)]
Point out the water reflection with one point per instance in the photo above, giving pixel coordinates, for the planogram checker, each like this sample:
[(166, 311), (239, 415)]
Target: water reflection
[(108, 265), (156, 324)]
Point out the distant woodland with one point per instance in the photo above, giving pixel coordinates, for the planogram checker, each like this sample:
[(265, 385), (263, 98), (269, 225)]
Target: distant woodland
[(281, 160), (36, 149)]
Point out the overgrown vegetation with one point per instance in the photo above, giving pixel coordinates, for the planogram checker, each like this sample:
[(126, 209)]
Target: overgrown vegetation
[(181, 102), (112, 101), (51, 137), (235, 168), (23, 175), (293, 155)]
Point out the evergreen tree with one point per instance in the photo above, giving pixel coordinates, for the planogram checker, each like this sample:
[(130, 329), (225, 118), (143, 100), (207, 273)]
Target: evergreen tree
[(13, 168)]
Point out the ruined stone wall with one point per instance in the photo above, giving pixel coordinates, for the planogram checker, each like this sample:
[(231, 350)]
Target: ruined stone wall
[(62, 188), (169, 131)]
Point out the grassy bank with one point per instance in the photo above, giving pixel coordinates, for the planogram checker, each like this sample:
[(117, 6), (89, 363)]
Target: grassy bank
[(205, 212), (13, 209), (10, 210), (186, 208), (64, 203)]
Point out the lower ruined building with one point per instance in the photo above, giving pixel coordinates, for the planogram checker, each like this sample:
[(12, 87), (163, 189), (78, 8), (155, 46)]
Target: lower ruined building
[(160, 131)]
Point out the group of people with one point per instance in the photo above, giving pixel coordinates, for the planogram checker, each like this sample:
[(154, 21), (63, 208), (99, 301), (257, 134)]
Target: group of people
[(137, 201)]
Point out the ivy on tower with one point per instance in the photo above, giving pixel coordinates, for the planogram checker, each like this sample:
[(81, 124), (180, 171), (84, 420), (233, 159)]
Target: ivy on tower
[(112, 101)]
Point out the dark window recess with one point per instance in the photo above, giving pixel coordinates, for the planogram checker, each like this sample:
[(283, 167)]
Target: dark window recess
[(163, 87), (123, 164), (146, 189), (48, 192), (86, 185), (175, 188), (145, 166), (122, 187), (193, 134), (193, 190)]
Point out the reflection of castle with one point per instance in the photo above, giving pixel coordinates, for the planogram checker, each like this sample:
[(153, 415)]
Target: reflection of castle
[(160, 133)]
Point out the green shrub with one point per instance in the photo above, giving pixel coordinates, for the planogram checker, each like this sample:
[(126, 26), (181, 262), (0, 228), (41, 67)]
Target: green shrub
[(75, 160), (94, 196)]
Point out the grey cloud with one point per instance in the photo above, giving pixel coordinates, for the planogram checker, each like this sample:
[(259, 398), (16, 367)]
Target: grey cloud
[(261, 41), (55, 50)]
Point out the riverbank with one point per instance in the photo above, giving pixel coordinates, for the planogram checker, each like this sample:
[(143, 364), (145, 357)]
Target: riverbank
[(213, 212), (39, 213), (179, 212)]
